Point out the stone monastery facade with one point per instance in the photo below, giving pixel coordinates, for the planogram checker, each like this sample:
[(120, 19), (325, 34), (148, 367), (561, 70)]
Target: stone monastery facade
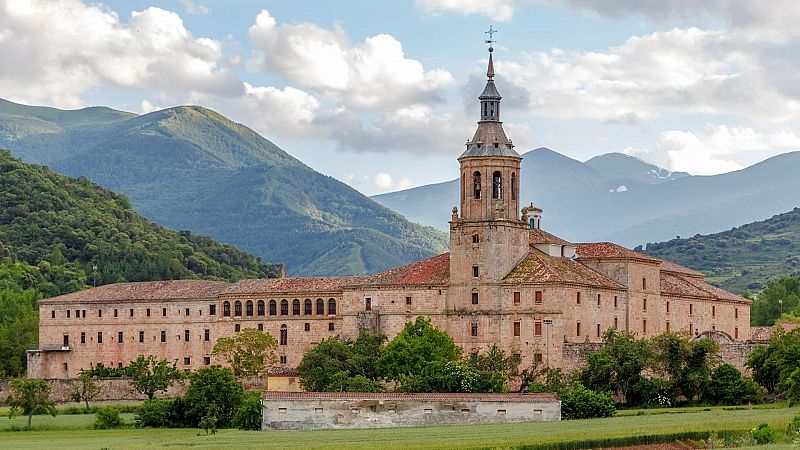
[(505, 281)]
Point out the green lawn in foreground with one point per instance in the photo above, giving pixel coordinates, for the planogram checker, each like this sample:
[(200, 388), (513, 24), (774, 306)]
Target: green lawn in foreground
[(447, 437)]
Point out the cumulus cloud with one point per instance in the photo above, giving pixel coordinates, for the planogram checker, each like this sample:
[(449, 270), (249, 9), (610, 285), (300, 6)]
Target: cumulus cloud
[(381, 181), (193, 8), (55, 50), (716, 150), (501, 10), (372, 74), (679, 71)]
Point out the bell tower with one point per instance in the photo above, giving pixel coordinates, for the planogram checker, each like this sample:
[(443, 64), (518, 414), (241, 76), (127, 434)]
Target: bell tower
[(488, 239)]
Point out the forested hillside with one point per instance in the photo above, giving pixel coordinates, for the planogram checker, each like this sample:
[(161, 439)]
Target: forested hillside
[(191, 168), (744, 258), (59, 235)]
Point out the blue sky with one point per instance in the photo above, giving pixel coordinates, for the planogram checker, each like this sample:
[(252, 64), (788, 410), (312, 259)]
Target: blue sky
[(381, 94)]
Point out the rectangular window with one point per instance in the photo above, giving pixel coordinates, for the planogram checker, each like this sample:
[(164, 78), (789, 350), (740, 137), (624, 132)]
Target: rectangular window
[(475, 271), (66, 340), (644, 283), (668, 325), (578, 329), (537, 299), (691, 309), (537, 357), (644, 305), (517, 297), (237, 328), (474, 330), (147, 312), (408, 300), (99, 337), (644, 326), (307, 327), (283, 361), (206, 335), (735, 313), (691, 328), (667, 307), (615, 323), (163, 336), (537, 328), (616, 304), (212, 310), (131, 312), (83, 337), (331, 326), (116, 313), (53, 314), (77, 313), (69, 314), (474, 298), (261, 327), (368, 304), (164, 312), (141, 337), (206, 360), (578, 298), (186, 312), (598, 299), (187, 360), (119, 337), (186, 335), (598, 330), (736, 333), (713, 311), (516, 329)]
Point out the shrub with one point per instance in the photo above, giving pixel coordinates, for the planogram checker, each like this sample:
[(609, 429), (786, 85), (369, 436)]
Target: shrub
[(793, 430), (107, 417), (582, 403), (162, 414), (763, 434), (214, 391), (248, 416), (728, 386)]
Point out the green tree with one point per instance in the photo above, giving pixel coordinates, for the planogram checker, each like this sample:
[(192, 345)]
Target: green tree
[(248, 416), (250, 352), (86, 389), (781, 296), (215, 393), (618, 366), (335, 364), (578, 402), (728, 386), (774, 365), (149, 375), (417, 355), (30, 396), (686, 362)]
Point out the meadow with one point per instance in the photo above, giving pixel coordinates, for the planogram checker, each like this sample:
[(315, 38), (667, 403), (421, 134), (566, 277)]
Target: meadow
[(75, 431)]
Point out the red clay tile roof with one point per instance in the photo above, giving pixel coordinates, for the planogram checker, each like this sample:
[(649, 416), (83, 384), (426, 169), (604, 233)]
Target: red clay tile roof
[(669, 266), (278, 285), (681, 285), (761, 334), (431, 271), (595, 250), (146, 290), (541, 397), (538, 267), (539, 236)]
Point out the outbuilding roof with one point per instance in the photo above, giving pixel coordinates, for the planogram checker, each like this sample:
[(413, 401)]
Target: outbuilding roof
[(539, 236), (540, 397), (539, 267), (600, 250)]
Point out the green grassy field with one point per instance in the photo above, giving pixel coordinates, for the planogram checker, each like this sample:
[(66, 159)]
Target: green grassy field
[(69, 432)]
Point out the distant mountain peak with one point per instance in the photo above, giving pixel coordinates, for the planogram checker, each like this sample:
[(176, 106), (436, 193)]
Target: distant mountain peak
[(620, 165)]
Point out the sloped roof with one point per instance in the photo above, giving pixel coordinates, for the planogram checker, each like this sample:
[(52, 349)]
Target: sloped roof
[(145, 290), (599, 250), (281, 285), (761, 334), (669, 266), (682, 285), (538, 267), (539, 236), (431, 271), (540, 397)]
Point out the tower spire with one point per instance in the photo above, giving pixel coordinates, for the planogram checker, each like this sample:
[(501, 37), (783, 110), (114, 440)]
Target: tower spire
[(490, 70)]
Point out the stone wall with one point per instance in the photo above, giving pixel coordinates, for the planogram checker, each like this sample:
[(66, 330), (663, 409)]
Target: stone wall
[(114, 389), (315, 410)]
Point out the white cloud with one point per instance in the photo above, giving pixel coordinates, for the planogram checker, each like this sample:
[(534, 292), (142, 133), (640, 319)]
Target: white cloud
[(146, 107), (54, 51), (717, 150), (193, 8), (681, 71), (380, 182), (501, 10), (373, 74)]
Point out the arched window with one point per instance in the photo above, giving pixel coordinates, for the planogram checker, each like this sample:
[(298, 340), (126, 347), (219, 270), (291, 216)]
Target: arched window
[(513, 186), (226, 309), (273, 308), (476, 238), (237, 308), (295, 307), (320, 306), (261, 307), (331, 307), (476, 185), (497, 185), (284, 334), (284, 307), (249, 308), (307, 310)]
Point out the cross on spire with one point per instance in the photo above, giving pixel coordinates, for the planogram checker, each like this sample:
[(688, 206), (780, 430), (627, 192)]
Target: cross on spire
[(491, 40)]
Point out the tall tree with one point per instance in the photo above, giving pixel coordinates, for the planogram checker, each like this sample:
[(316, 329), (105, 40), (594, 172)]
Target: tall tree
[(250, 352), (86, 389), (149, 375), (30, 396)]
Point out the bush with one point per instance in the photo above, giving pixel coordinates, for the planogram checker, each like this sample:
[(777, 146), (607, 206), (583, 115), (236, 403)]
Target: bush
[(763, 434), (107, 417), (248, 416), (793, 430), (214, 391), (728, 386), (162, 414), (582, 403)]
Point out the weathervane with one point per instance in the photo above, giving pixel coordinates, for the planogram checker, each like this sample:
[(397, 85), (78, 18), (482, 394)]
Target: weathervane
[(491, 40)]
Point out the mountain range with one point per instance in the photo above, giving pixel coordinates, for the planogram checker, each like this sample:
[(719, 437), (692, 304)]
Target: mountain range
[(619, 198), (190, 168)]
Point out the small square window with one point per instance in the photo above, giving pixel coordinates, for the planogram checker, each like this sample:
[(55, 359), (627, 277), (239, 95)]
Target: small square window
[(408, 301), (237, 328), (187, 360), (206, 360), (283, 359), (261, 327), (212, 310), (307, 326), (537, 357), (331, 326)]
